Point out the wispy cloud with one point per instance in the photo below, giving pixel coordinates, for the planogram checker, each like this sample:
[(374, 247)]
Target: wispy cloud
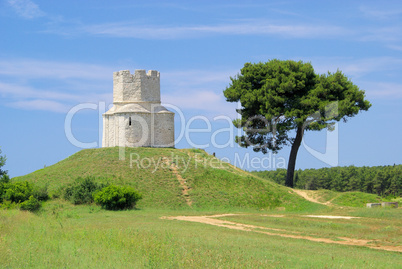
[(381, 12), (395, 47), (206, 102), (356, 67), (65, 84), (383, 34), (198, 91), (26, 9), (198, 78), (56, 86), (383, 90), (20, 91), (29, 68), (250, 27), (28, 83), (43, 105), (362, 72)]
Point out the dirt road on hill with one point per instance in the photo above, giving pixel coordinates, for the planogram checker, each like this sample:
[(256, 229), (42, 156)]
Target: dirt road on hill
[(212, 220), (308, 196), (182, 182)]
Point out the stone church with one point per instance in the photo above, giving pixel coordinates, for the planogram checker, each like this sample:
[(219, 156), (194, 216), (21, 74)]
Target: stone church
[(137, 118)]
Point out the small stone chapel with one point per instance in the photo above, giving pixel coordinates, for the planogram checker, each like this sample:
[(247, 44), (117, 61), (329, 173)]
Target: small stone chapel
[(137, 118)]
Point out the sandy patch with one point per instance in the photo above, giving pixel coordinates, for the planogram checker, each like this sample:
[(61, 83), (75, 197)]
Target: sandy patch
[(306, 194), (330, 217), (211, 220)]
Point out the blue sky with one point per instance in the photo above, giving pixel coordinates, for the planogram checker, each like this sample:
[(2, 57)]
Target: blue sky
[(55, 55)]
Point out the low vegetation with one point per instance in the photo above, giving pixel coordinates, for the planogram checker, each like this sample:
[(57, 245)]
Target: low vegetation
[(155, 174), (23, 195), (356, 199), (85, 236), (117, 197), (81, 191), (380, 180), (83, 225)]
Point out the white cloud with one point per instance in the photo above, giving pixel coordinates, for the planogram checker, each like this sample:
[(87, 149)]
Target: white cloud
[(205, 103), (250, 27), (43, 105), (66, 95), (356, 67), (381, 13), (20, 91), (197, 78), (383, 34), (26, 8), (198, 90), (363, 71), (395, 47), (28, 68), (53, 86), (383, 90)]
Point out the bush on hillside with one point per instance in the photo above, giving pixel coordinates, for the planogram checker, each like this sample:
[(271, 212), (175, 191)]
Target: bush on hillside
[(32, 204), (40, 193), (82, 190), (4, 180), (117, 197), (17, 192), (20, 195)]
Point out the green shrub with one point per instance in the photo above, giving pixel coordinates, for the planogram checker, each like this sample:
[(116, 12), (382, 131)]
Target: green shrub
[(17, 192), (32, 204), (4, 180), (8, 205), (21, 195), (82, 190), (117, 197), (40, 193)]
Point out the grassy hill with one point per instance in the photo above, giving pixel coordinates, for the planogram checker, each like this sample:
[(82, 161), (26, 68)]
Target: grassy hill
[(156, 236), (172, 178)]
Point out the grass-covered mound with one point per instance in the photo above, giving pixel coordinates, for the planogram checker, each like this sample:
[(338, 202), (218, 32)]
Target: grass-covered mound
[(171, 178), (350, 199), (356, 199)]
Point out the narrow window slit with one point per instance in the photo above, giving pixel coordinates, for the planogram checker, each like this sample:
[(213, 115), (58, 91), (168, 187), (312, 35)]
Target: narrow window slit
[(129, 121)]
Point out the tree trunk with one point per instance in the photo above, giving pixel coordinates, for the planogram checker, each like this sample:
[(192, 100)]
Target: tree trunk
[(292, 157)]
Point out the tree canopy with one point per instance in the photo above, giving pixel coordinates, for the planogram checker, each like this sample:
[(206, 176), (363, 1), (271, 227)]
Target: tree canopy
[(2, 163), (281, 96)]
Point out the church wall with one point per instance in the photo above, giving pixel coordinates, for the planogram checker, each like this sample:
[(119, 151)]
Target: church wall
[(138, 133), (147, 129), (163, 130)]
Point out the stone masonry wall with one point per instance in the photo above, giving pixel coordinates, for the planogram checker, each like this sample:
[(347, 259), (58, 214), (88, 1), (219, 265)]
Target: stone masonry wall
[(137, 119)]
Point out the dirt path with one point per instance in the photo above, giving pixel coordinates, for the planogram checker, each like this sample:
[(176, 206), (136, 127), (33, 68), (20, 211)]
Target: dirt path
[(211, 220), (307, 195), (182, 182)]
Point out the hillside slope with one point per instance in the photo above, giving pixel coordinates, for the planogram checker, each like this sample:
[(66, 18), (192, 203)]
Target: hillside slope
[(172, 178)]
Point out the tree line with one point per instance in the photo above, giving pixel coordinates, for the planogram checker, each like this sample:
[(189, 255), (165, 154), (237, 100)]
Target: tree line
[(380, 180)]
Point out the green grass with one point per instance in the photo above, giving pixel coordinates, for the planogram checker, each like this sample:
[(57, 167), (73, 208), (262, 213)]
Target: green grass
[(356, 199), (326, 195), (213, 185), (351, 199), (63, 235), (369, 225), (86, 236)]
